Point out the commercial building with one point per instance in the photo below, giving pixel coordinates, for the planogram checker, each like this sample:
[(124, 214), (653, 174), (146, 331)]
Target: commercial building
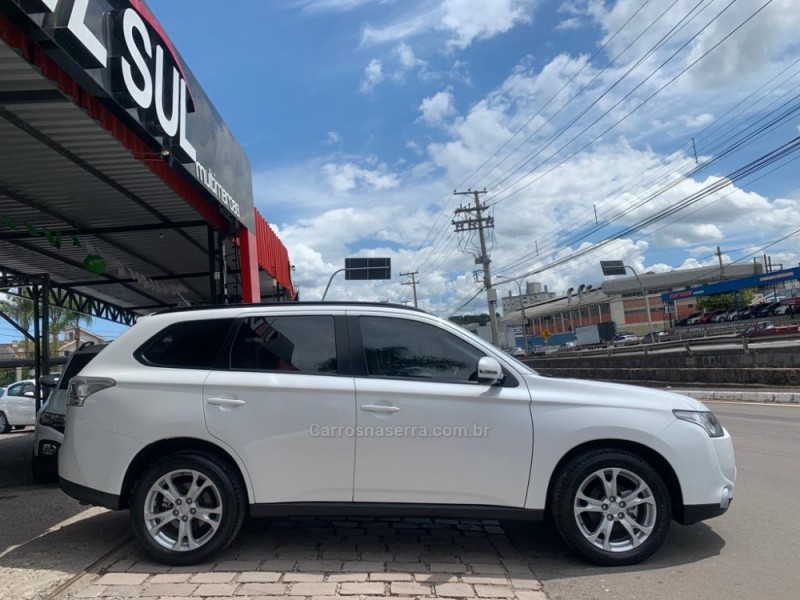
[(534, 294), (621, 301)]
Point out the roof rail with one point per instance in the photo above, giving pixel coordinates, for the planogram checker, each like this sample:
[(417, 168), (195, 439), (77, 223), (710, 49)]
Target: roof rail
[(283, 304)]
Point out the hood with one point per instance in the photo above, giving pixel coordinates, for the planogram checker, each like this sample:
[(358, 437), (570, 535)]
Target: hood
[(598, 393)]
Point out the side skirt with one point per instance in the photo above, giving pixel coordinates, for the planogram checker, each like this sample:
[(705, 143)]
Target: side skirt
[(388, 509)]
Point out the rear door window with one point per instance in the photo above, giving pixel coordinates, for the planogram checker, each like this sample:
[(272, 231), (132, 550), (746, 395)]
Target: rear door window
[(293, 344)]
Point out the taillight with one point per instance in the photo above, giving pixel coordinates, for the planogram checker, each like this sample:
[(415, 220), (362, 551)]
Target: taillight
[(80, 388)]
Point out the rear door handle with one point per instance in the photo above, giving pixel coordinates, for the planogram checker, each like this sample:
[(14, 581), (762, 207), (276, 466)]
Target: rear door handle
[(380, 408), (226, 402)]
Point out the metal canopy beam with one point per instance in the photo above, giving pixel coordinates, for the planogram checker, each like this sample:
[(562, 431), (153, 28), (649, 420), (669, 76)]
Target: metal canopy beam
[(56, 215), (96, 231), (70, 299), (78, 265), (78, 161)]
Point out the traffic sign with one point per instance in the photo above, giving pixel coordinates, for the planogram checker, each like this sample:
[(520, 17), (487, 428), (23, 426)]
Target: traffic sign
[(546, 334)]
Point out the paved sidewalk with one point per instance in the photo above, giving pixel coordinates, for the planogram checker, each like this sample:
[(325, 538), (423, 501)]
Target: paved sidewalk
[(334, 558)]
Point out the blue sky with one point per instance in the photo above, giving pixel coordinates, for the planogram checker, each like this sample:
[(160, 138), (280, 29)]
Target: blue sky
[(360, 117)]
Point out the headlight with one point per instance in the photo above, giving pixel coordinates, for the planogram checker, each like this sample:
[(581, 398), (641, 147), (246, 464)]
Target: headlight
[(705, 419), (80, 388)]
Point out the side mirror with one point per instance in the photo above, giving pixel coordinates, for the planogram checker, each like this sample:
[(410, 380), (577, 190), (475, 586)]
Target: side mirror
[(29, 394), (49, 380), (489, 371)]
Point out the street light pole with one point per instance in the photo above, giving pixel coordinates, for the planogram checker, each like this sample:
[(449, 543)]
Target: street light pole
[(646, 302), (522, 309)]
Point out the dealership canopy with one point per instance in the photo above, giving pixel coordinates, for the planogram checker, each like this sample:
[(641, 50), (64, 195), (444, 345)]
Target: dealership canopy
[(119, 181)]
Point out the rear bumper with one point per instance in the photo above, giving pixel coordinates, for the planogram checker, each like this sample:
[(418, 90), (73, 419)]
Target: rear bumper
[(694, 513), (87, 495)]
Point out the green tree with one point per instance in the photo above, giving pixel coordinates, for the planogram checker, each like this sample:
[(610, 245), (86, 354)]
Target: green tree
[(20, 310), (462, 320), (727, 301)]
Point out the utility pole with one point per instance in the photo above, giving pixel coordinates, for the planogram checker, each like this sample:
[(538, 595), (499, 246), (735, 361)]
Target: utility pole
[(413, 283), (473, 219), (721, 268)]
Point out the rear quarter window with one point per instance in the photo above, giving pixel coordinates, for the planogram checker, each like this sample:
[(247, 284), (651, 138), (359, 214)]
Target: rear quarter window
[(186, 345)]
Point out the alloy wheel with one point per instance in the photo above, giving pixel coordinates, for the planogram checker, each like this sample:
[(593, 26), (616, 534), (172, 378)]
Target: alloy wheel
[(615, 510), (183, 510)]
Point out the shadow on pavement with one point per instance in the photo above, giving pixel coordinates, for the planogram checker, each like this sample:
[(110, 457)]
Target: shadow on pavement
[(541, 543)]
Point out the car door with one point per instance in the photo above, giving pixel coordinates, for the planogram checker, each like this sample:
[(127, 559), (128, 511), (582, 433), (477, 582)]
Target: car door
[(27, 404), (13, 401), (286, 405), (428, 432)]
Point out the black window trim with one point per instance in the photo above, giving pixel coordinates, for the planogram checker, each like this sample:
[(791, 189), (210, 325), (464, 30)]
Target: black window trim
[(359, 357), (341, 340)]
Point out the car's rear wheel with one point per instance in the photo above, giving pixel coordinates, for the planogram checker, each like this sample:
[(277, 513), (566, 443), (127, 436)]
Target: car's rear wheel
[(187, 507), (4, 425), (611, 507)]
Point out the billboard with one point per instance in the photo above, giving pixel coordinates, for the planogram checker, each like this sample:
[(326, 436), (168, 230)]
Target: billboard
[(118, 51)]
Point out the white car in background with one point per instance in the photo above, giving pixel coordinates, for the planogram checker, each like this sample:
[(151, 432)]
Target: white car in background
[(49, 433), (18, 406), (194, 419)]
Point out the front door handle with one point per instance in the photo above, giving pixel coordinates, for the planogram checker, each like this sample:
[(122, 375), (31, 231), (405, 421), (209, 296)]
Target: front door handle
[(381, 408), (226, 402)]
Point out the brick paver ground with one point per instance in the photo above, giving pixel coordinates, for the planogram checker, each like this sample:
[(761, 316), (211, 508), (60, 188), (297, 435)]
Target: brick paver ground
[(354, 558)]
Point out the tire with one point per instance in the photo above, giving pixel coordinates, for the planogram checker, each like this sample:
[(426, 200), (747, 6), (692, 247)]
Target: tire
[(222, 497), (4, 425), (630, 539), (44, 471)]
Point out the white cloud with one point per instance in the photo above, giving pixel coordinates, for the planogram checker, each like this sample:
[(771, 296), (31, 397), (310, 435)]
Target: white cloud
[(437, 108), (469, 20), (373, 75), (570, 24), (348, 176), (697, 121), (315, 6), (462, 21), (406, 57), (333, 137), (345, 205)]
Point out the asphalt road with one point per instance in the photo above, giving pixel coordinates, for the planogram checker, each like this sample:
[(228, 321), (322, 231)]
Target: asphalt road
[(750, 552), (45, 536)]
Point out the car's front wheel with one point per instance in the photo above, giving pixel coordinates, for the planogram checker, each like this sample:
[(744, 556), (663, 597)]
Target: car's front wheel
[(187, 507), (611, 507), (5, 427)]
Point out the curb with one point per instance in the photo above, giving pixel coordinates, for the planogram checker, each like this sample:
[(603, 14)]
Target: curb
[(743, 396)]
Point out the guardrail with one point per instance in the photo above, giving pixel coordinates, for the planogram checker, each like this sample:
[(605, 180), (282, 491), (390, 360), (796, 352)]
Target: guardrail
[(688, 345)]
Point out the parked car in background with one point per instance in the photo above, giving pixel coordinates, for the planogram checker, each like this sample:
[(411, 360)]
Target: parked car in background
[(49, 433), (766, 328), (195, 419), (783, 309), (655, 336), (720, 317), (18, 406), (624, 338), (685, 321), (694, 320), (710, 316)]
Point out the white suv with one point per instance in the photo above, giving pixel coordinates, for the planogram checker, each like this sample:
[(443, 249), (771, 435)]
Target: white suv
[(195, 418)]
